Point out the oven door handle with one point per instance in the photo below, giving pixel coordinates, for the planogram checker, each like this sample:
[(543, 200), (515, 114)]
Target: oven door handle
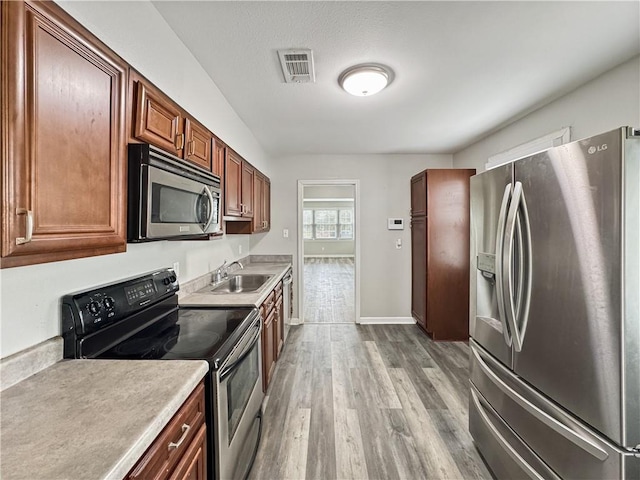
[(227, 369)]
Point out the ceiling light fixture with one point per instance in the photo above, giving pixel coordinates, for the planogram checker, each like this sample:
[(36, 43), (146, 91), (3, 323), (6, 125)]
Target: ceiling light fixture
[(365, 80)]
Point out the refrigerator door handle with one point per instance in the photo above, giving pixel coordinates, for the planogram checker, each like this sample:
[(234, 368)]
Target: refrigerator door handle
[(526, 272), (515, 456), (544, 417), (499, 270), (517, 210)]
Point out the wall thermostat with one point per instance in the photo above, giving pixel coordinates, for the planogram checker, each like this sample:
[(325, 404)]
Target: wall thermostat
[(395, 224)]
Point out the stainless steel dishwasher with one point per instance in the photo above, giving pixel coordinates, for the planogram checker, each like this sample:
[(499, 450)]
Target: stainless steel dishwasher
[(287, 298)]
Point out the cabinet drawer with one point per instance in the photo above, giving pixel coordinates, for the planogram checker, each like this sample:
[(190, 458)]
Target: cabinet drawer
[(173, 442), (268, 303), (194, 464)]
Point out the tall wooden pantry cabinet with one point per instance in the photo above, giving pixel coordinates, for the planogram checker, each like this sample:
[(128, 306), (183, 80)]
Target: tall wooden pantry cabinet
[(440, 252)]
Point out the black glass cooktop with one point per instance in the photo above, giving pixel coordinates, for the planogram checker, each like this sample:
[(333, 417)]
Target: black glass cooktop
[(186, 333)]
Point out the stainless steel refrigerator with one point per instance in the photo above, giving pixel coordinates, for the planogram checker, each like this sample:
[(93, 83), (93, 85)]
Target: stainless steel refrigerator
[(555, 323)]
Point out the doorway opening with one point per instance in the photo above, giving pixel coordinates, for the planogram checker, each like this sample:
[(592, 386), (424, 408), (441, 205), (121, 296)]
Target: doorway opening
[(328, 247)]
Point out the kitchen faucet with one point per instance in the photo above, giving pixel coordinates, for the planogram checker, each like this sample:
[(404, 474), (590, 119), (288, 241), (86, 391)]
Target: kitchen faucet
[(222, 272)]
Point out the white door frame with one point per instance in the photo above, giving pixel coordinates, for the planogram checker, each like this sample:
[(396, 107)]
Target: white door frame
[(356, 233)]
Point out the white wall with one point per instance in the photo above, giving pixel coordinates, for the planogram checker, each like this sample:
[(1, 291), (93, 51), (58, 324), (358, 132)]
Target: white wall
[(384, 192), (607, 102), (29, 307)]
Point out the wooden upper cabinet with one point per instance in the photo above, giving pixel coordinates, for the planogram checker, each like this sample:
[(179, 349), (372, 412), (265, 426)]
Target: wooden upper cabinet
[(219, 153), (266, 204), (261, 203), (258, 192), (63, 136), (161, 122), (157, 120), (419, 194), (239, 178), (233, 184), (248, 179), (198, 144)]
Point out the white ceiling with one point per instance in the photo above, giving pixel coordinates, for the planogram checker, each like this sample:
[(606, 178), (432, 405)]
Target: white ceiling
[(462, 69)]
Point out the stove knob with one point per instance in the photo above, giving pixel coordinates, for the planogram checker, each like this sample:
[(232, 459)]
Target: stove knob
[(172, 278), (108, 303), (166, 280), (94, 307)]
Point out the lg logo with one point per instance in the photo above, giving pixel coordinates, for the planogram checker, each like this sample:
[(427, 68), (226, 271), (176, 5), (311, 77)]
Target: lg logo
[(599, 148)]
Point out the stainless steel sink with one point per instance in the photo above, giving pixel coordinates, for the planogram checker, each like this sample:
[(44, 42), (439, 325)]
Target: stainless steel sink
[(241, 284)]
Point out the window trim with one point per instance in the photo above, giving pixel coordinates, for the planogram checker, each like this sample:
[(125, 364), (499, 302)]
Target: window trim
[(553, 139)]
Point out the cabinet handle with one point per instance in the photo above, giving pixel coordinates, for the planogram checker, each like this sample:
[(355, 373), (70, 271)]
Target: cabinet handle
[(192, 147), (185, 429), (29, 229), (180, 141)]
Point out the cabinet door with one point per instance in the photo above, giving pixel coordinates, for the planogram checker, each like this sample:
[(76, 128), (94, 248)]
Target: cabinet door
[(193, 465), (419, 194), (158, 120), (279, 330), (248, 178), (258, 193), (217, 166), (198, 144), (419, 270), (63, 137), (266, 204), (268, 349), (447, 260), (232, 184), (172, 448)]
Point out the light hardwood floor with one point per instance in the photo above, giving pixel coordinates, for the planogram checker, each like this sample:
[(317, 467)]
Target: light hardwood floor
[(368, 402), (329, 290)]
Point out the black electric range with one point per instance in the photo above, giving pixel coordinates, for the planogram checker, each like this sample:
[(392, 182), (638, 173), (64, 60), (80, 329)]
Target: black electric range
[(140, 318)]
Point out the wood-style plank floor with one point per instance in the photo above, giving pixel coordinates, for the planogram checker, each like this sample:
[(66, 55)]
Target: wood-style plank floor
[(329, 288), (367, 402)]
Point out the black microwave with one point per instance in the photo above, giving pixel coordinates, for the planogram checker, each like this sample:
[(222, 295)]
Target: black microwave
[(169, 199)]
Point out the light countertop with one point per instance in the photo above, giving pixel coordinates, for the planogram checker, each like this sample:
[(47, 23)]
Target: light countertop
[(204, 296), (90, 418)]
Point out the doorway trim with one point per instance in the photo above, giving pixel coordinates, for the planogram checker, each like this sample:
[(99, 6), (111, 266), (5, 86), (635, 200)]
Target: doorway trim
[(356, 232)]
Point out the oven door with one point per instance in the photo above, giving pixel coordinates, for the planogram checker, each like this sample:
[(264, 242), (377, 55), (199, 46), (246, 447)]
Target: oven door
[(238, 403), (177, 205)]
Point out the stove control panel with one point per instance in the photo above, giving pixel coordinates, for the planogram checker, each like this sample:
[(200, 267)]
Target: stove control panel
[(91, 310)]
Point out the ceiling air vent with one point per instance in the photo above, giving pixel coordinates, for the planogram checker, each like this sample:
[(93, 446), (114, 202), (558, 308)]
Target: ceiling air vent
[(297, 65)]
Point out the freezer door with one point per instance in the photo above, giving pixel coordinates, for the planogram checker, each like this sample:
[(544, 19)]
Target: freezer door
[(490, 196), (567, 446), (505, 453), (569, 344)]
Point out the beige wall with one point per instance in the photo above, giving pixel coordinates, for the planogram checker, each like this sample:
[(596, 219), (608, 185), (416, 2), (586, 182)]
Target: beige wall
[(384, 192), (607, 102)]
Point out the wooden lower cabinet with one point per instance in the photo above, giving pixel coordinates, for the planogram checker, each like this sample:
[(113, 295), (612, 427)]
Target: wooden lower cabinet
[(268, 349), (272, 312), (278, 333), (63, 136), (179, 452), (194, 464)]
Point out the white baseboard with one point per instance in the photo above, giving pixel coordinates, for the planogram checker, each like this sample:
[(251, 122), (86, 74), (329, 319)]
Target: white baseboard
[(295, 321), (342, 255), (387, 320)]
